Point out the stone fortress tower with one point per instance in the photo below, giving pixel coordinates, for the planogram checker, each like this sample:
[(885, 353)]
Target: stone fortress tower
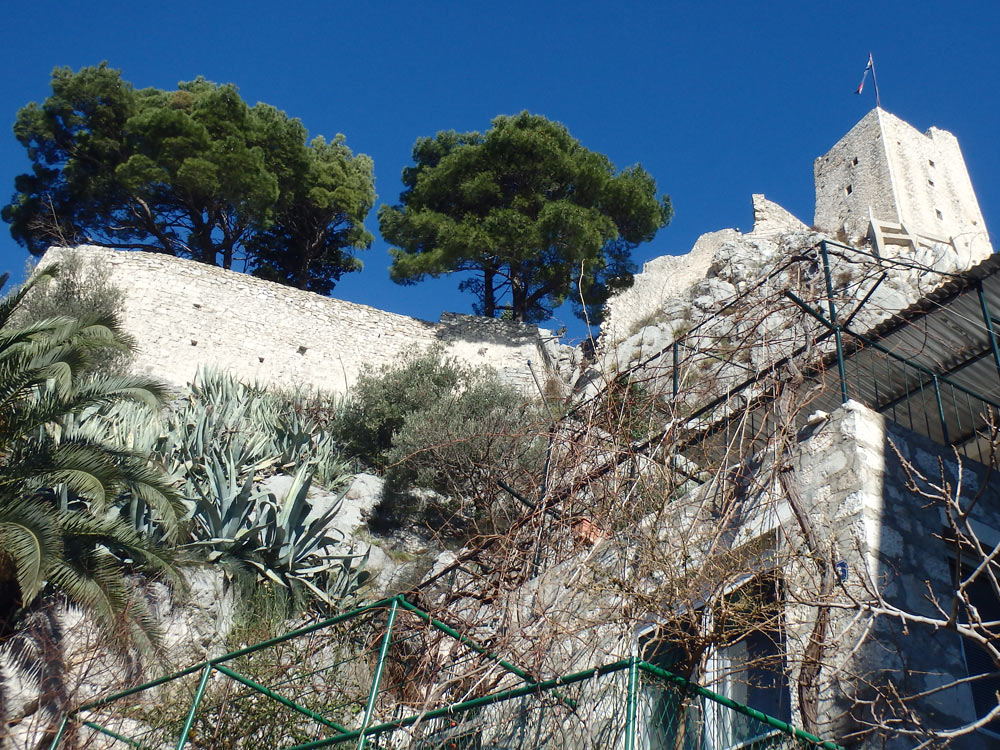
[(889, 183), (884, 184)]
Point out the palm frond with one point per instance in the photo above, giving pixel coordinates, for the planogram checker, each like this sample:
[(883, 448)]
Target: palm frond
[(110, 389), (9, 303), (83, 531), (97, 584), (30, 538), (86, 469)]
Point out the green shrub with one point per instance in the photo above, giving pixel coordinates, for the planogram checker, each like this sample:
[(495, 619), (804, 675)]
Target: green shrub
[(380, 401), (82, 288), (434, 424), (465, 443)]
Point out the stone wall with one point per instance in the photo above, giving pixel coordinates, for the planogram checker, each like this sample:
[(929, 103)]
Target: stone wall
[(671, 277), (184, 315), (885, 168), (890, 540)]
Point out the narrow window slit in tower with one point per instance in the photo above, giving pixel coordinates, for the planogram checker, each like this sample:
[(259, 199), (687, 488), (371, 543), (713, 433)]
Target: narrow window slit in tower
[(854, 162), (848, 190), (194, 343), (930, 182), (931, 163), (303, 349), (939, 214)]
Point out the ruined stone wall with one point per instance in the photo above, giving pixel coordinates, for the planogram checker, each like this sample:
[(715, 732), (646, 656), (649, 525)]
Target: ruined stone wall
[(184, 315), (672, 277), (660, 280)]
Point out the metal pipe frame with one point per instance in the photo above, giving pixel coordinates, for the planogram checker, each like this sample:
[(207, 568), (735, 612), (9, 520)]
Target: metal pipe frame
[(531, 686), (193, 711), (988, 319), (114, 735), (280, 698), (889, 353), (633, 666), (833, 319), (739, 708), (377, 677), (632, 703)]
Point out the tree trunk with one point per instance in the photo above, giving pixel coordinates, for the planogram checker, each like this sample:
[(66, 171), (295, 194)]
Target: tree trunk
[(519, 296), (489, 295), (201, 240)]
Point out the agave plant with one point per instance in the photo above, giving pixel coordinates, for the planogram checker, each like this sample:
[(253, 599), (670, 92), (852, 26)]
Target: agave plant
[(229, 514), (282, 539), (222, 439), (219, 442), (298, 544), (299, 436)]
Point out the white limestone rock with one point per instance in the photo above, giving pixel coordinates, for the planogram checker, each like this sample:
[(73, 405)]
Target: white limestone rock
[(196, 623), (712, 293)]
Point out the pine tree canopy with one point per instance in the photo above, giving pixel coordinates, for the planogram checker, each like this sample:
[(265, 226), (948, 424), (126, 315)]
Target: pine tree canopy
[(195, 172), (535, 215)]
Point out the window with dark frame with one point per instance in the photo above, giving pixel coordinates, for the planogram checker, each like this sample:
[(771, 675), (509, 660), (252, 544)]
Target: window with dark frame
[(982, 596), (750, 669)]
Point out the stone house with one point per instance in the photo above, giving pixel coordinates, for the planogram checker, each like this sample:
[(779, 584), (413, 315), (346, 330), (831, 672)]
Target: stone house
[(882, 316)]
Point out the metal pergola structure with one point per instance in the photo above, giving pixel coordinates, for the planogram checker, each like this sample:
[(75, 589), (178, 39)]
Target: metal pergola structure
[(356, 680), (933, 367)]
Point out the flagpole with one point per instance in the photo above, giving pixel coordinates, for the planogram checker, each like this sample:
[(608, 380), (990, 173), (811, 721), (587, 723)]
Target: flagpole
[(878, 102)]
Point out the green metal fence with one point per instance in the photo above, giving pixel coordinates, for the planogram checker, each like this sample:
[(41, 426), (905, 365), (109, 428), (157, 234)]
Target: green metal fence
[(390, 676)]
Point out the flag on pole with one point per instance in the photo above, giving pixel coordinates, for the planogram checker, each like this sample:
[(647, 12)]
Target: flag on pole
[(864, 76)]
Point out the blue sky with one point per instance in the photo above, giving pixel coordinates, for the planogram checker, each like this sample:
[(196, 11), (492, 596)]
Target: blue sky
[(717, 100)]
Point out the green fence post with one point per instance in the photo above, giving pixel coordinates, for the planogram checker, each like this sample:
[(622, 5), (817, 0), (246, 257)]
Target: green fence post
[(940, 406), (59, 733), (377, 677), (833, 319), (988, 320), (631, 705), (189, 722)]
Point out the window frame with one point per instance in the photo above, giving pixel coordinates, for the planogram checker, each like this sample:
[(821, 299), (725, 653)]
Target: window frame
[(720, 679)]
